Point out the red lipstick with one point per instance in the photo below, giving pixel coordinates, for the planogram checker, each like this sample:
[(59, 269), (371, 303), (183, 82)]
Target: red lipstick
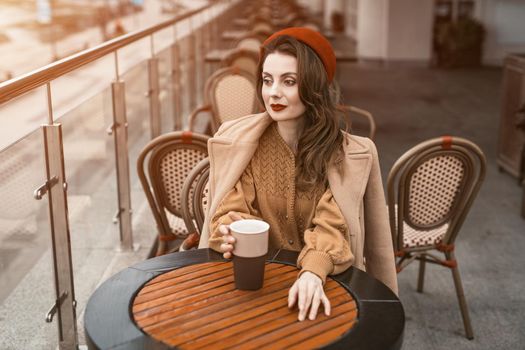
[(277, 107)]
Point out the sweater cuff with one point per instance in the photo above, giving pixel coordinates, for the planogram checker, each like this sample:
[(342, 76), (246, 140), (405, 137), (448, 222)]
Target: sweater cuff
[(317, 262)]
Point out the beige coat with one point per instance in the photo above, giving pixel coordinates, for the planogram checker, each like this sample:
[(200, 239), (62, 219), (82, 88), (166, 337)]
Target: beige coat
[(359, 193)]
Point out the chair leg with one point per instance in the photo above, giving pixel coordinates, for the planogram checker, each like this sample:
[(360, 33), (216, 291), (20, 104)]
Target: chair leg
[(162, 248), (421, 277), (461, 298)]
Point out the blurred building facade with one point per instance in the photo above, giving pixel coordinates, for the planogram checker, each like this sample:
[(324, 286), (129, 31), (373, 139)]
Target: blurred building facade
[(406, 29)]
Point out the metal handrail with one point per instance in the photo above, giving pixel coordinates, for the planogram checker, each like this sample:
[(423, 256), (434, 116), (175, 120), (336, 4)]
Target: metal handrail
[(38, 77)]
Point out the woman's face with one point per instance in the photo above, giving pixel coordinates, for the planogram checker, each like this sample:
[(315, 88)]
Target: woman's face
[(280, 90)]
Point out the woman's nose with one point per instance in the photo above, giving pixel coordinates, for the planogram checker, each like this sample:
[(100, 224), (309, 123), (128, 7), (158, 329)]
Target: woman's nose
[(275, 90)]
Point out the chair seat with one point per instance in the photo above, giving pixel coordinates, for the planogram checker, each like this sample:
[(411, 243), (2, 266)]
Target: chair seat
[(417, 238), (177, 225)]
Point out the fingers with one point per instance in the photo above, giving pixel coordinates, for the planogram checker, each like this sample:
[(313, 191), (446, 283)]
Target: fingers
[(309, 294), (316, 301), (228, 242), (223, 229), (234, 216), (305, 299), (326, 304), (292, 295)]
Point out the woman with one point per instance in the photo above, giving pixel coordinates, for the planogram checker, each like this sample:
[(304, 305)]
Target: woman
[(318, 187)]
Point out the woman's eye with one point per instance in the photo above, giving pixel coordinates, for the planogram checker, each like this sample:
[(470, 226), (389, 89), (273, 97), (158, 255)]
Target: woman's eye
[(289, 82), (267, 81)]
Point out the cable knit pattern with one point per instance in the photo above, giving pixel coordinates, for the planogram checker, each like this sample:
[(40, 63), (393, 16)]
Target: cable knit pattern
[(307, 221)]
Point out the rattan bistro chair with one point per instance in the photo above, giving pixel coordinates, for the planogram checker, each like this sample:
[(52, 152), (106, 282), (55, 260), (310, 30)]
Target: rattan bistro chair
[(230, 94), (430, 189), (168, 159), (195, 194), (246, 60)]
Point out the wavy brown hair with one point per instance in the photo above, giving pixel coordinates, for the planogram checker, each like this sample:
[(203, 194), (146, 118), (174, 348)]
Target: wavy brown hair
[(321, 140)]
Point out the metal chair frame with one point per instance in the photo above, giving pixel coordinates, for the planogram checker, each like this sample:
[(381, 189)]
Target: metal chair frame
[(364, 114), (160, 190), (194, 197), (473, 165)]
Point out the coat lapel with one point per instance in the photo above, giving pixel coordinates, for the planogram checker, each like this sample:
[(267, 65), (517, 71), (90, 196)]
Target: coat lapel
[(349, 190), (230, 152)]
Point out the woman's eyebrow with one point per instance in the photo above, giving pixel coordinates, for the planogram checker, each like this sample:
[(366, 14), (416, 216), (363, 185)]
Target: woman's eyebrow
[(282, 75)]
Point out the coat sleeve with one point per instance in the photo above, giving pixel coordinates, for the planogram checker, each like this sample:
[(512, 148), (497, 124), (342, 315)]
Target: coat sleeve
[(378, 250), (327, 249), (240, 199)]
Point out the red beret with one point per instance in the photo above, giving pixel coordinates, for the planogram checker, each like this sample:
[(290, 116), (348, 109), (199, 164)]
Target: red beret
[(315, 41)]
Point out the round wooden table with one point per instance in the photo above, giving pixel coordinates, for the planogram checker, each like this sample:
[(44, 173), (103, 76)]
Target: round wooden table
[(198, 306), (188, 301)]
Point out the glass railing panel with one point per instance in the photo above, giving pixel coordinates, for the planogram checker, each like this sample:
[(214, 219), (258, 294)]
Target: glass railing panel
[(139, 134), (134, 54), (184, 69), (167, 113), (25, 254), (22, 116), (92, 197)]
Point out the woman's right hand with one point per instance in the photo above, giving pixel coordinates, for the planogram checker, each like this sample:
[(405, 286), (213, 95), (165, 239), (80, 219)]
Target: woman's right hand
[(228, 241)]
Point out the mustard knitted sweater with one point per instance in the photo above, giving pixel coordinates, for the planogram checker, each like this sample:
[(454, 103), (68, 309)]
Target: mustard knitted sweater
[(308, 220)]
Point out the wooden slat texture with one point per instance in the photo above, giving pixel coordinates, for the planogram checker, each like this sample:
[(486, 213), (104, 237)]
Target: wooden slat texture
[(198, 307)]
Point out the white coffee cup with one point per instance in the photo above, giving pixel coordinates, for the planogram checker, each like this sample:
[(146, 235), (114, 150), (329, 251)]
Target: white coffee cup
[(249, 253), (251, 237)]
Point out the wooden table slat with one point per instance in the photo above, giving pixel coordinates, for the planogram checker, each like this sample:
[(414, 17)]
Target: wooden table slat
[(234, 297), (186, 270), (217, 307), (145, 310), (182, 275), (307, 327), (206, 323), (219, 278), (197, 308), (185, 276), (199, 293), (238, 334), (295, 334), (326, 337)]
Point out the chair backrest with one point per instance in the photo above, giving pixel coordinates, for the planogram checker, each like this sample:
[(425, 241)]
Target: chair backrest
[(231, 92), (263, 28), (251, 41), (357, 123), (433, 184), (246, 60), (168, 159), (195, 194)]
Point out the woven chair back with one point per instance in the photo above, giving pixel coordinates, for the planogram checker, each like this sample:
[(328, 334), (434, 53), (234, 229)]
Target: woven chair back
[(246, 60), (252, 43), (169, 159), (433, 185), (231, 93)]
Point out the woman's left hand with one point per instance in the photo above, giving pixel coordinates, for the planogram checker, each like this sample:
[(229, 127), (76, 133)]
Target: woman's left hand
[(309, 294)]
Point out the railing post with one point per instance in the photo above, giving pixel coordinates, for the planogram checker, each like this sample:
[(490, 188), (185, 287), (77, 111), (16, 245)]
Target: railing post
[(153, 94), (120, 136), (56, 187), (192, 76), (175, 85)]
